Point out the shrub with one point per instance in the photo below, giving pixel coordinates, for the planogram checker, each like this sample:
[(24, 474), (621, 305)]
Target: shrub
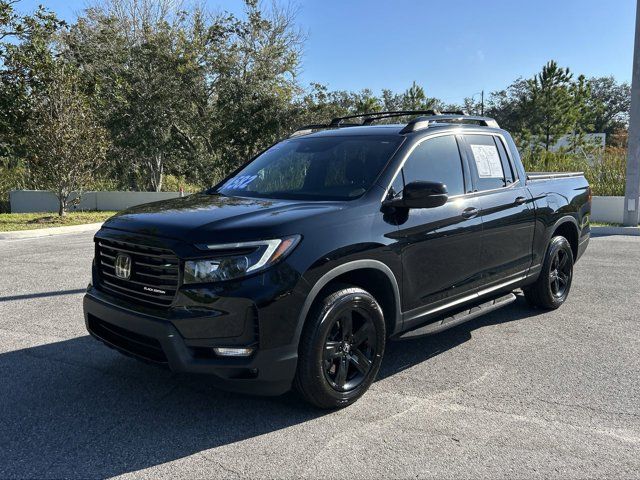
[(172, 183), (605, 173), (10, 179), (607, 176)]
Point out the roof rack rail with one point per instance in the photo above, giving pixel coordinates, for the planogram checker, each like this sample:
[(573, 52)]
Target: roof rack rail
[(423, 122), (373, 116), (454, 112), (339, 122), (383, 115), (426, 117)]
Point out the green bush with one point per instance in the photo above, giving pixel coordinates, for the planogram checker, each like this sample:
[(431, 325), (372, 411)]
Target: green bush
[(605, 173), (172, 183), (11, 178), (607, 176), (103, 183)]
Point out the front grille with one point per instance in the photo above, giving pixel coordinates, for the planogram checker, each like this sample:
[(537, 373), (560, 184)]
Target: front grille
[(129, 342), (154, 272)]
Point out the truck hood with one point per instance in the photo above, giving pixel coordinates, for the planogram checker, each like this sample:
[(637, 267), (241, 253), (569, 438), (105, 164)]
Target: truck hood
[(196, 217)]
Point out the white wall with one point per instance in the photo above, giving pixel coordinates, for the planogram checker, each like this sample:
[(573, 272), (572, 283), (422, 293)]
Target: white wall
[(607, 209), (28, 201), (121, 200)]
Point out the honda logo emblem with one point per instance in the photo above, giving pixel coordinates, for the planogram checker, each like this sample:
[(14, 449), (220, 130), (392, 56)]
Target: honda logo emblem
[(123, 266)]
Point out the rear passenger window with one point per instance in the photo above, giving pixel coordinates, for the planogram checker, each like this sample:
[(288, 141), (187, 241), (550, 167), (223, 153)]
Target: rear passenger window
[(509, 174), (436, 160), (490, 162)]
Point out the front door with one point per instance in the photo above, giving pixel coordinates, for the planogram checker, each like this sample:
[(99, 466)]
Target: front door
[(440, 246)]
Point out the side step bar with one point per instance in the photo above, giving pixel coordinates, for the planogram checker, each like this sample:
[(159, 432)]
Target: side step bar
[(458, 318)]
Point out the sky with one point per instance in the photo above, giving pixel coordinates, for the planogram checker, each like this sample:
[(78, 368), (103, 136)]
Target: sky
[(454, 48)]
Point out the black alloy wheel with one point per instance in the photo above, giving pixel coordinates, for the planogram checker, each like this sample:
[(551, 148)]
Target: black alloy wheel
[(551, 288), (349, 349), (559, 273), (341, 347)]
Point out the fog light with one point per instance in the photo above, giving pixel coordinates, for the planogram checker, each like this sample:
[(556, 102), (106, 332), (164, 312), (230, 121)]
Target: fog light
[(233, 351)]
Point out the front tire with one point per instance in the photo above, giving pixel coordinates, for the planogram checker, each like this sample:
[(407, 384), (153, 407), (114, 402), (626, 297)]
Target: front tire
[(551, 289), (341, 348)]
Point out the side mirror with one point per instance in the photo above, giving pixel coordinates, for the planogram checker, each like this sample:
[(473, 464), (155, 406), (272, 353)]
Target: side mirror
[(422, 195)]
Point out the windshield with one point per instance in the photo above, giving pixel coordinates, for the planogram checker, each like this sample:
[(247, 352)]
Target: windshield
[(316, 168)]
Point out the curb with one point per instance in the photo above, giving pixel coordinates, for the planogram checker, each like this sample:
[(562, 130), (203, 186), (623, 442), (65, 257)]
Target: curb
[(48, 232), (604, 231)]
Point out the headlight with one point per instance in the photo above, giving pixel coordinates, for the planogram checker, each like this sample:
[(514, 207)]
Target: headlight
[(236, 260)]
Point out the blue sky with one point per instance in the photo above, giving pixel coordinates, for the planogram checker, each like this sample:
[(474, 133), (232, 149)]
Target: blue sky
[(452, 48)]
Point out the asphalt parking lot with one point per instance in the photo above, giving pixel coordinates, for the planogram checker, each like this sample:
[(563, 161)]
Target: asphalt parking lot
[(517, 393)]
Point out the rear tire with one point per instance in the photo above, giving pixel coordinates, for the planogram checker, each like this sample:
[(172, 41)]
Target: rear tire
[(551, 289), (341, 348)]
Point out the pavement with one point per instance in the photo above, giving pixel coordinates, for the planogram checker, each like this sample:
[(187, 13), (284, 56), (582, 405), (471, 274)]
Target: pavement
[(518, 393)]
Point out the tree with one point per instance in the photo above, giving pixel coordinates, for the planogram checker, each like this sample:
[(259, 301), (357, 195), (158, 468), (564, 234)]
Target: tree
[(322, 104), (543, 108), (319, 105), (507, 106), (581, 114), (548, 104), (255, 85), (609, 104), (16, 26), (186, 92), (26, 61), (66, 143), (366, 102), (391, 101), (136, 60), (414, 98)]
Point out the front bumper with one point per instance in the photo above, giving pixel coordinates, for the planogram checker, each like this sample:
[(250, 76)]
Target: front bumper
[(269, 371)]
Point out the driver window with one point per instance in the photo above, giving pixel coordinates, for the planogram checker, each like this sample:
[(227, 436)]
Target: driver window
[(436, 160)]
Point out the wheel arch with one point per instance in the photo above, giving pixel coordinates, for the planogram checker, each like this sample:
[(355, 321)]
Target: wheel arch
[(371, 275), (567, 227)]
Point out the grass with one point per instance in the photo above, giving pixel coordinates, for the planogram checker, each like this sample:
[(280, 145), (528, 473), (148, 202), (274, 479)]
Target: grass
[(28, 221), (605, 224)]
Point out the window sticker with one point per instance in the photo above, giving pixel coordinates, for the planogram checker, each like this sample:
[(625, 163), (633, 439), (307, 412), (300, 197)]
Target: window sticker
[(488, 161), (240, 183)]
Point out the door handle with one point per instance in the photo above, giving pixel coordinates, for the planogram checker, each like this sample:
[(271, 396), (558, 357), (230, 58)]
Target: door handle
[(520, 200), (470, 212)]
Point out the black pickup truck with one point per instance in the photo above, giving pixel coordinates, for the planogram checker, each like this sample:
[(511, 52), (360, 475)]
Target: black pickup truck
[(296, 269)]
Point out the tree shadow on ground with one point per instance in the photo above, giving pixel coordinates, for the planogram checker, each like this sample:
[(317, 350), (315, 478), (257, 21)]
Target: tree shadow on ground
[(76, 409)]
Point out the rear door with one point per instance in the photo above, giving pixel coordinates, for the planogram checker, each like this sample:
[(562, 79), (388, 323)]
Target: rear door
[(506, 209), (440, 246)]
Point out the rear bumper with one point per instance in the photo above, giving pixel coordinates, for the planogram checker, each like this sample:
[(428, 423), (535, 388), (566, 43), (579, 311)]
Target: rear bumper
[(152, 339)]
